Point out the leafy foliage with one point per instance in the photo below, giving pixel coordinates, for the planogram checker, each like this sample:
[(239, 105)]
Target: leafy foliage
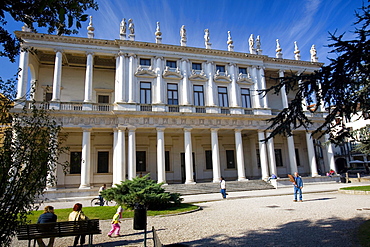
[(342, 87), (63, 16), (143, 191), (28, 158)]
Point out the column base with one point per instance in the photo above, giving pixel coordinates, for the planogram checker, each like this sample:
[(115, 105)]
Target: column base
[(84, 187), (242, 179), (190, 182)]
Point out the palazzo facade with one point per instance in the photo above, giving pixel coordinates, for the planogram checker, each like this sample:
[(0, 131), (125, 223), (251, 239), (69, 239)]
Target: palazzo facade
[(182, 114)]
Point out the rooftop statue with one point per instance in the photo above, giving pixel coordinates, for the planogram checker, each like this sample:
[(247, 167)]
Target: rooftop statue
[(158, 30), (123, 26), (297, 51), (313, 53), (183, 33), (206, 35), (131, 26), (251, 45)]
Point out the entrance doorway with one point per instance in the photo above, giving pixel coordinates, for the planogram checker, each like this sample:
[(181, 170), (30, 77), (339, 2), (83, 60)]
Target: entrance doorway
[(183, 172)]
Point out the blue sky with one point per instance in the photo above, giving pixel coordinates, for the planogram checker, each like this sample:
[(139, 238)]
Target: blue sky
[(305, 21)]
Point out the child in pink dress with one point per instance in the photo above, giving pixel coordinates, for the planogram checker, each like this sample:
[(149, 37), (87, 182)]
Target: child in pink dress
[(115, 223)]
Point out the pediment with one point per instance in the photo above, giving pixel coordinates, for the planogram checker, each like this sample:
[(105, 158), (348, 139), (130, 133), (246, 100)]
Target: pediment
[(175, 75), (145, 73), (222, 78)]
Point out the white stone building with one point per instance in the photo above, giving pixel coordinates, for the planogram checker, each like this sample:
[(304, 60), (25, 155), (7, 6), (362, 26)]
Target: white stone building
[(182, 114)]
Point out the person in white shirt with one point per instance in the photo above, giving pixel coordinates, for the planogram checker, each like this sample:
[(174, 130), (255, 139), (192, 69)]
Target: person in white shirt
[(223, 187)]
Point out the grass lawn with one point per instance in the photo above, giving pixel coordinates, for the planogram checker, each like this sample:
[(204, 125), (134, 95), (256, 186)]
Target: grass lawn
[(362, 188), (107, 212), (364, 234)]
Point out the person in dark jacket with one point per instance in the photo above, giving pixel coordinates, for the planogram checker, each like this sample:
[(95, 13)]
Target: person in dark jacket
[(47, 217)]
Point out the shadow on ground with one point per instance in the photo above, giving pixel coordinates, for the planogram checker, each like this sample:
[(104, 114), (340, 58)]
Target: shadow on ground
[(329, 232)]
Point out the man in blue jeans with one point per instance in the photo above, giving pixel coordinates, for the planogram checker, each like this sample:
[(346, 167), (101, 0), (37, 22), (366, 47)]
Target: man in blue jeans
[(298, 185)]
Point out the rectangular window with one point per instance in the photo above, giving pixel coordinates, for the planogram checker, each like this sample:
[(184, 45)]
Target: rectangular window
[(145, 62), (246, 98), (172, 94), (208, 159), (171, 64), (198, 95), (222, 97), (75, 163), (220, 68), (140, 161), (196, 66), (230, 158), (145, 93), (297, 157), (243, 71), (48, 97), (278, 157), (258, 157), (167, 161), (103, 162), (103, 99)]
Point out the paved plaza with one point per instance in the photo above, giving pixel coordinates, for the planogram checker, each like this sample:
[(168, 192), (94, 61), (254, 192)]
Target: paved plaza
[(253, 218)]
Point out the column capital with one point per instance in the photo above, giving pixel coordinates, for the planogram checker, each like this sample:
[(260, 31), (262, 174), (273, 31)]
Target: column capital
[(131, 55), (58, 50), (86, 128), (158, 57), (232, 64), (254, 66), (187, 129), (281, 71), (89, 53), (238, 130), (160, 128), (184, 60), (121, 53), (120, 128), (131, 128), (215, 129), (210, 62)]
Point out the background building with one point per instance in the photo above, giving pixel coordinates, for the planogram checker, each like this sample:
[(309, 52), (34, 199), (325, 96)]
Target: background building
[(182, 114)]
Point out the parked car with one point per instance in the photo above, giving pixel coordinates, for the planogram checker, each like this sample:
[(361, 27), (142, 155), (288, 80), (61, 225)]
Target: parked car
[(357, 166)]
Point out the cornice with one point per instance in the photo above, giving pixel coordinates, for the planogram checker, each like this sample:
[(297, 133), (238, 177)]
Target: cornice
[(121, 44)]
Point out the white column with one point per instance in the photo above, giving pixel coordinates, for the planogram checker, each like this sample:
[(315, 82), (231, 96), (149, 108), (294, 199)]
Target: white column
[(239, 154), (189, 179), (131, 78), (159, 84), (57, 76), (291, 154), (263, 155), (311, 155), (119, 86), (119, 157), (263, 86), (234, 89), (89, 77), (271, 155), (254, 92), (161, 170), (23, 75), (215, 156), (330, 153), (211, 87), (131, 153), (284, 98), (85, 160), (185, 82)]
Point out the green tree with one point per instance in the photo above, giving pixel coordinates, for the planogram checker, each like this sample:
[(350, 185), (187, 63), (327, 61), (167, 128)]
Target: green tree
[(143, 191), (342, 87), (29, 138), (63, 16)]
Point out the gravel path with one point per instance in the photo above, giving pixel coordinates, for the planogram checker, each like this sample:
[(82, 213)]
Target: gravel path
[(323, 219)]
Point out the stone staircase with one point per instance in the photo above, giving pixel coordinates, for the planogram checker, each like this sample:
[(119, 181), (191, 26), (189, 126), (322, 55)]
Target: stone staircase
[(206, 188)]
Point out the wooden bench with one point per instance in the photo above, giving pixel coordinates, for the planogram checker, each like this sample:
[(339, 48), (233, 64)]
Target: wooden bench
[(58, 229)]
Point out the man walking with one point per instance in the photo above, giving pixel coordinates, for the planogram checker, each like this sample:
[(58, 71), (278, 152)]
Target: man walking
[(298, 185), (223, 187)]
